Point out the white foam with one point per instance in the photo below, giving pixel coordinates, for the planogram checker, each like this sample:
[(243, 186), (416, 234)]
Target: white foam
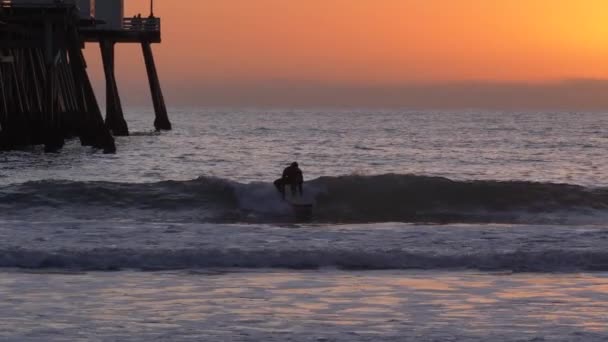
[(261, 198), (126, 245)]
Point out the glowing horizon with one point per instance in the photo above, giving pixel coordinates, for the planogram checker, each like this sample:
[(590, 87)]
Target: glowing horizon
[(372, 43)]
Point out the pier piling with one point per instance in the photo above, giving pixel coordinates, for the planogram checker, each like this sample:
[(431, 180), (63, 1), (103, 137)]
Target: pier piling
[(161, 122), (115, 120), (46, 95)]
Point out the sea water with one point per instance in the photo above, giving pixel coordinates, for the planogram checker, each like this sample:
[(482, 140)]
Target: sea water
[(427, 226)]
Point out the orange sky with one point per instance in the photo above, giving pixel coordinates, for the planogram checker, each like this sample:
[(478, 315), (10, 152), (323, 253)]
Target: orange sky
[(370, 42)]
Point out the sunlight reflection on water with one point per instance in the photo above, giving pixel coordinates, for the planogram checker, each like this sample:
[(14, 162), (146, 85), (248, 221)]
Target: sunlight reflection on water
[(265, 305)]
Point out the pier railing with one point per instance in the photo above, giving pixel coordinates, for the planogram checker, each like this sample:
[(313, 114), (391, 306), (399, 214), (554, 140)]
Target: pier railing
[(132, 24), (35, 4), (150, 24)]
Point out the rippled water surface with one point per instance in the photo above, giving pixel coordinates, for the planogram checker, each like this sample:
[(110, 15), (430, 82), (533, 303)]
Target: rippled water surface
[(424, 226), (215, 305), (254, 145)]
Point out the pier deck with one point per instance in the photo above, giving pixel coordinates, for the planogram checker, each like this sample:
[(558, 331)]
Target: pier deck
[(133, 30)]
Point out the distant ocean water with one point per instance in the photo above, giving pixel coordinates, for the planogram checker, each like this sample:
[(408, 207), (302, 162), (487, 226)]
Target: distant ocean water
[(465, 191), (254, 145)]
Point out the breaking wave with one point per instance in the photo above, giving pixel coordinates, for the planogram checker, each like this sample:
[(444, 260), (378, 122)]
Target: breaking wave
[(345, 199), (118, 259)]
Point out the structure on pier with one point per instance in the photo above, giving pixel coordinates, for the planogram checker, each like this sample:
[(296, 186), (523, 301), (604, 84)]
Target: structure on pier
[(45, 91)]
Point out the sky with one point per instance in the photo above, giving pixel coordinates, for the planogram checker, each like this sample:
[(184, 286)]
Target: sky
[(407, 53)]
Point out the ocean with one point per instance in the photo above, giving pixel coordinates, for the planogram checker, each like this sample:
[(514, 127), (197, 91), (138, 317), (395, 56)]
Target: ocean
[(426, 226)]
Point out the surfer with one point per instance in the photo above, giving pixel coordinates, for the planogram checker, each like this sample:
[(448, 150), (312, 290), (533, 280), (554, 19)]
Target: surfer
[(292, 175)]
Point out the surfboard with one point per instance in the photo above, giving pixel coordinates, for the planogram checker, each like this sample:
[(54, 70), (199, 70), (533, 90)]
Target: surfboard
[(297, 200), (302, 206)]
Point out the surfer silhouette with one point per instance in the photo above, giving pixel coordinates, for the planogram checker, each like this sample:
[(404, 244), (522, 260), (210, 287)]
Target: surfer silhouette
[(292, 175)]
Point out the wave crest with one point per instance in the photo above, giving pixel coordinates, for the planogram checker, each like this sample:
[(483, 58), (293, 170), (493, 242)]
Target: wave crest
[(345, 199), (410, 198), (117, 259)]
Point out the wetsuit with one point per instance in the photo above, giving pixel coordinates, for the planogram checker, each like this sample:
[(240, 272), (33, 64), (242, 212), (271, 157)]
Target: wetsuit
[(292, 176)]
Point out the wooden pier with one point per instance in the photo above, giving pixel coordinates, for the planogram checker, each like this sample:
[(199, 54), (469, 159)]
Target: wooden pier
[(46, 95)]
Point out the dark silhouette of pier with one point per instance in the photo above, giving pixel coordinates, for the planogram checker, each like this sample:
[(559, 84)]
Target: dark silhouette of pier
[(46, 95)]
